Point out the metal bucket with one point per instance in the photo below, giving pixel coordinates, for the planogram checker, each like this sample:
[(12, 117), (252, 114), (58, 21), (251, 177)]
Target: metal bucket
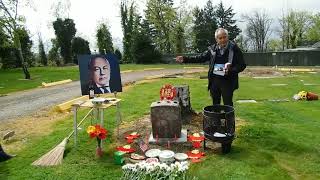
[(219, 120)]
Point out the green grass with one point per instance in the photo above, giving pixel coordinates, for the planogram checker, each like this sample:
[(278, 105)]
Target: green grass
[(12, 80), (278, 141)]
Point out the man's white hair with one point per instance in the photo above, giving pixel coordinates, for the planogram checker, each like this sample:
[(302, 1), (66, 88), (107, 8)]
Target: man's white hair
[(219, 30)]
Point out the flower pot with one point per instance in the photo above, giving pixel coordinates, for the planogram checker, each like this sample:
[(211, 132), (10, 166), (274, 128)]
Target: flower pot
[(99, 152), (312, 96)]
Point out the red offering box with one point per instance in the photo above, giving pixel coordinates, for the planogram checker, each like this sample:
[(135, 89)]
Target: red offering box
[(131, 137), (196, 141), (195, 156)]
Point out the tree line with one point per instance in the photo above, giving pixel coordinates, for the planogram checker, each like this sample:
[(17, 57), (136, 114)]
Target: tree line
[(166, 29), (296, 28), (163, 28)]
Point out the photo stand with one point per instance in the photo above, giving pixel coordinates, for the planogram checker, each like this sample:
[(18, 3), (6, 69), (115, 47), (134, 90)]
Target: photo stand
[(98, 113)]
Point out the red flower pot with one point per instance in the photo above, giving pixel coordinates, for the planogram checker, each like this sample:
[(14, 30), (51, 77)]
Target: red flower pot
[(312, 96)]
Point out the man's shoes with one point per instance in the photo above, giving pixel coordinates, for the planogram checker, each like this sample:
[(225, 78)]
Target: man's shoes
[(4, 156)]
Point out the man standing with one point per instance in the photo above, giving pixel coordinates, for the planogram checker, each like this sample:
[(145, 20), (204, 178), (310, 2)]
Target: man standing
[(226, 61), (3, 155)]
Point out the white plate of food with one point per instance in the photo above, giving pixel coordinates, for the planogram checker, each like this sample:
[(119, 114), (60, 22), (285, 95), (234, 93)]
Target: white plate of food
[(153, 153), (98, 100), (135, 156), (181, 156)]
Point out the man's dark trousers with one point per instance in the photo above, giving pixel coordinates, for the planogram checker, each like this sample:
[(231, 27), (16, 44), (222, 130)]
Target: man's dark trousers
[(221, 87)]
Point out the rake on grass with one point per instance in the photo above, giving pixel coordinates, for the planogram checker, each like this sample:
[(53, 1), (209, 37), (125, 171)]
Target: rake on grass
[(55, 156)]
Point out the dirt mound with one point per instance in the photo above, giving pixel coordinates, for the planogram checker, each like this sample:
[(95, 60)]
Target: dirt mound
[(261, 72), (143, 127)]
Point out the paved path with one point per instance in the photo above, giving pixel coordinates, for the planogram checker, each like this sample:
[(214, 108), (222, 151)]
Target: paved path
[(25, 103)]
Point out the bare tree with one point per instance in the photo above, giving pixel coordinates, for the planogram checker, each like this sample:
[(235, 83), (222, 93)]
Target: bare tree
[(10, 20), (61, 8), (243, 42), (258, 29)]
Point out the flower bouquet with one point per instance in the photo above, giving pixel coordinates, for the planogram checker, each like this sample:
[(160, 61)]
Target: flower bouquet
[(304, 95), (155, 170), (99, 133)]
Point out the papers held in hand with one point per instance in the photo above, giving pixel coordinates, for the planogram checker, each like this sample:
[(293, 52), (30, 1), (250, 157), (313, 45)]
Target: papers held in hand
[(218, 69)]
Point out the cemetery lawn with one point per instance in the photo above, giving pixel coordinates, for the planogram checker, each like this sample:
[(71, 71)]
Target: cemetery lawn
[(12, 80), (278, 140)]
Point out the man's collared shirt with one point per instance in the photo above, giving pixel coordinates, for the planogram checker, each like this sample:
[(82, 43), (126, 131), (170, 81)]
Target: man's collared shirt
[(223, 49), (105, 89)]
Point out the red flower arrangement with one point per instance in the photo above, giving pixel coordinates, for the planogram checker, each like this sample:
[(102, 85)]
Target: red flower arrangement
[(99, 133)]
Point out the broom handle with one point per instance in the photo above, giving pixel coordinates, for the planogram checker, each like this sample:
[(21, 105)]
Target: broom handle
[(80, 123)]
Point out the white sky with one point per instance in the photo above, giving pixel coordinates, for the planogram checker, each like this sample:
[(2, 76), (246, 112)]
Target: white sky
[(87, 14)]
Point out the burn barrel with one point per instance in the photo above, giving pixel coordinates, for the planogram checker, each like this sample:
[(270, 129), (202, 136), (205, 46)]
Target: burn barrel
[(219, 125)]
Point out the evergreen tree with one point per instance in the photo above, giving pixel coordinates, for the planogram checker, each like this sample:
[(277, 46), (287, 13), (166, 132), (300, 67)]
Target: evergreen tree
[(79, 46), (65, 30), (180, 39), (226, 21), (104, 39), (144, 50), (54, 53), (162, 17), (42, 54), (7, 51), (204, 28), (127, 22), (26, 45), (118, 54)]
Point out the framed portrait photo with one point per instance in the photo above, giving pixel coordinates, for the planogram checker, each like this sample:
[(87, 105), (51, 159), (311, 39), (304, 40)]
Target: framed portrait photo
[(100, 73)]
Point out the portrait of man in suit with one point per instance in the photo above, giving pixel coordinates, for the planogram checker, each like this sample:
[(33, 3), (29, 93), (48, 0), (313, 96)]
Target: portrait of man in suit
[(100, 73), (99, 69)]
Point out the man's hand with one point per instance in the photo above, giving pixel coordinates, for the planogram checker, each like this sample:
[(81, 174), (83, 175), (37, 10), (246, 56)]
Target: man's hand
[(227, 68), (179, 59)]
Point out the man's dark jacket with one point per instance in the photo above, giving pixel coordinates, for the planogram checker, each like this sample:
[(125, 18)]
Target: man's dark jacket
[(237, 66)]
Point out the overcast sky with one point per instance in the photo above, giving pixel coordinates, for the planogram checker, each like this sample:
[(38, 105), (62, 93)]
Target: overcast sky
[(87, 14)]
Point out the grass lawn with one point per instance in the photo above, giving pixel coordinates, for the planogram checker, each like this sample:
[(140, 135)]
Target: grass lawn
[(12, 80), (278, 141)]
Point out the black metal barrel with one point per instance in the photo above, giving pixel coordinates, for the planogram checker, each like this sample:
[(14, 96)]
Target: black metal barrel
[(219, 119)]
